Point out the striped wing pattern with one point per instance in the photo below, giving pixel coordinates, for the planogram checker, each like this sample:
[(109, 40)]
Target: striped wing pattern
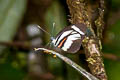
[(70, 38)]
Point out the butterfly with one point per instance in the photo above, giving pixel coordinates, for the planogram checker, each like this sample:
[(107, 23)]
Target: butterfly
[(70, 38)]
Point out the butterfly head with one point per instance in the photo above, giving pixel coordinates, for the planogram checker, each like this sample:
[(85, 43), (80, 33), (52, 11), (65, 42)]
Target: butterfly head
[(53, 40)]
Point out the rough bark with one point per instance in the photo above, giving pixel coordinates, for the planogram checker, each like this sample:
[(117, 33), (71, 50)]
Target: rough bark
[(91, 14)]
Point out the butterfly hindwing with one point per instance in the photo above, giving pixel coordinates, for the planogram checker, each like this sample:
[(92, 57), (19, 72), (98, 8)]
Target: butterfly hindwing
[(73, 43), (75, 46)]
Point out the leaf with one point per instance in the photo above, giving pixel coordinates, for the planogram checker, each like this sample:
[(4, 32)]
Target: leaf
[(11, 12)]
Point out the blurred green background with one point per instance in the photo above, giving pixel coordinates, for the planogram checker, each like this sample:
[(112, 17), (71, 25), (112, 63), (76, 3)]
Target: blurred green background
[(19, 34)]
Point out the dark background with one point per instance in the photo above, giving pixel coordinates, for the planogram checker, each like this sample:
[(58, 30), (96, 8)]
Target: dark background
[(19, 35)]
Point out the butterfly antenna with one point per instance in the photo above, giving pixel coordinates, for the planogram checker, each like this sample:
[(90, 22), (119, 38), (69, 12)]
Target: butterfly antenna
[(53, 28), (49, 43), (44, 30)]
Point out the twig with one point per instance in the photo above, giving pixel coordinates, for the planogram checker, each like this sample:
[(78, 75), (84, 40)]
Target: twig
[(17, 44), (111, 56), (71, 63)]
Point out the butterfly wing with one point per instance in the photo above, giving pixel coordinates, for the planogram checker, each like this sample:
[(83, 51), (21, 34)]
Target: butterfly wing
[(72, 43), (70, 38)]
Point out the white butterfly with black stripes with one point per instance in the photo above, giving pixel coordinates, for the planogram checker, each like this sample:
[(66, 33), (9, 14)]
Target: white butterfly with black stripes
[(70, 38)]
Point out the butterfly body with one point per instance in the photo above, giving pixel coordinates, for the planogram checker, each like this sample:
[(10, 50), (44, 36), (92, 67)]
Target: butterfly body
[(70, 38)]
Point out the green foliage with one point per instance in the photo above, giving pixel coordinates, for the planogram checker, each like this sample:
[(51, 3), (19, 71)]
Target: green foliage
[(112, 69), (115, 4), (111, 45), (112, 39), (8, 72), (11, 12)]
